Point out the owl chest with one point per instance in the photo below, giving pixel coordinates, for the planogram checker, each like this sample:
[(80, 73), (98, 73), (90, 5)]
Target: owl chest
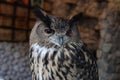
[(52, 64)]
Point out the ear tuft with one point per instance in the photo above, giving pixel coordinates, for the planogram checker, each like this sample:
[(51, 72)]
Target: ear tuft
[(42, 15), (78, 17)]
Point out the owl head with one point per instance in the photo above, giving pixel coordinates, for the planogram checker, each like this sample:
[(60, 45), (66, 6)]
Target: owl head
[(55, 30)]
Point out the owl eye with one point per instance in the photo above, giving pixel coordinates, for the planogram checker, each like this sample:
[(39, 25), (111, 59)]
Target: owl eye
[(69, 32), (49, 31)]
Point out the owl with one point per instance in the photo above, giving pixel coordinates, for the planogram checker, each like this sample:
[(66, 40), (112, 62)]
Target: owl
[(57, 51)]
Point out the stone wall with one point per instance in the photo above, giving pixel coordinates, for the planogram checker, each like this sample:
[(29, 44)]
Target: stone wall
[(14, 61), (109, 49)]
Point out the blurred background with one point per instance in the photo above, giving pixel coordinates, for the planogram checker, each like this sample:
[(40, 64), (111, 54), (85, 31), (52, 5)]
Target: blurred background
[(100, 30)]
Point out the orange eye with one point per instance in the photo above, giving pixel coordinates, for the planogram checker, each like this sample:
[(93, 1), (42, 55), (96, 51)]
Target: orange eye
[(69, 32), (49, 31)]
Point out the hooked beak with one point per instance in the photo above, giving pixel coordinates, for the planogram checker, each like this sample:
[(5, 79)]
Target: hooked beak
[(61, 41)]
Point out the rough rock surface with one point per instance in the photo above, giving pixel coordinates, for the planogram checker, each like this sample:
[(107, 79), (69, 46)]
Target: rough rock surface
[(14, 61), (109, 50)]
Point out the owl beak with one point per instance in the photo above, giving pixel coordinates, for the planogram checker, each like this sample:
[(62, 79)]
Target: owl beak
[(61, 41)]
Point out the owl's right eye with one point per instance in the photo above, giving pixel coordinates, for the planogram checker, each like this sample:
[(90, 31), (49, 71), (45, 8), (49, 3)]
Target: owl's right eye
[(69, 32), (49, 31)]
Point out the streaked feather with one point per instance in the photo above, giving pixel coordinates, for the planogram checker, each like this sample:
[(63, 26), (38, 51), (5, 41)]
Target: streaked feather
[(77, 64)]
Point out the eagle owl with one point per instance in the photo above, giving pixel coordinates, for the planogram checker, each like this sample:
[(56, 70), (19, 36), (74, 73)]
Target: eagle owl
[(57, 52)]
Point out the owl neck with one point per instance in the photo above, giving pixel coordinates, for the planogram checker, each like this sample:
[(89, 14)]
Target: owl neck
[(51, 48)]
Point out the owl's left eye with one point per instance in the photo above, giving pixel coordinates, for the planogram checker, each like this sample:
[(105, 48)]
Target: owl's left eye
[(49, 31)]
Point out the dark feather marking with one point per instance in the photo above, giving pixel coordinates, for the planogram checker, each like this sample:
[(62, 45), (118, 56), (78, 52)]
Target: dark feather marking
[(75, 46), (53, 56), (61, 59), (52, 76), (58, 75), (31, 60), (79, 57), (71, 65), (72, 56), (64, 74), (31, 50), (47, 68), (32, 70), (59, 68), (62, 56), (39, 55), (49, 78), (45, 62), (79, 52), (56, 46), (91, 56), (68, 48), (66, 58), (42, 75), (30, 56), (35, 77), (53, 63), (68, 68)]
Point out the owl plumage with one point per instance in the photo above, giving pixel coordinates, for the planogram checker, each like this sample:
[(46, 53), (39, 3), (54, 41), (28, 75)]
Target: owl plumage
[(57, 52)]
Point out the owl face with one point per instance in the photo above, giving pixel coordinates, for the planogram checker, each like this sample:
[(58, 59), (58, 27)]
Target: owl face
[(55, 30), (59, 33)]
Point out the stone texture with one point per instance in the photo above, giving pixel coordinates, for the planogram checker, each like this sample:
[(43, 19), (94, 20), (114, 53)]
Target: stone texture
[(14, 61), (109, 49)]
